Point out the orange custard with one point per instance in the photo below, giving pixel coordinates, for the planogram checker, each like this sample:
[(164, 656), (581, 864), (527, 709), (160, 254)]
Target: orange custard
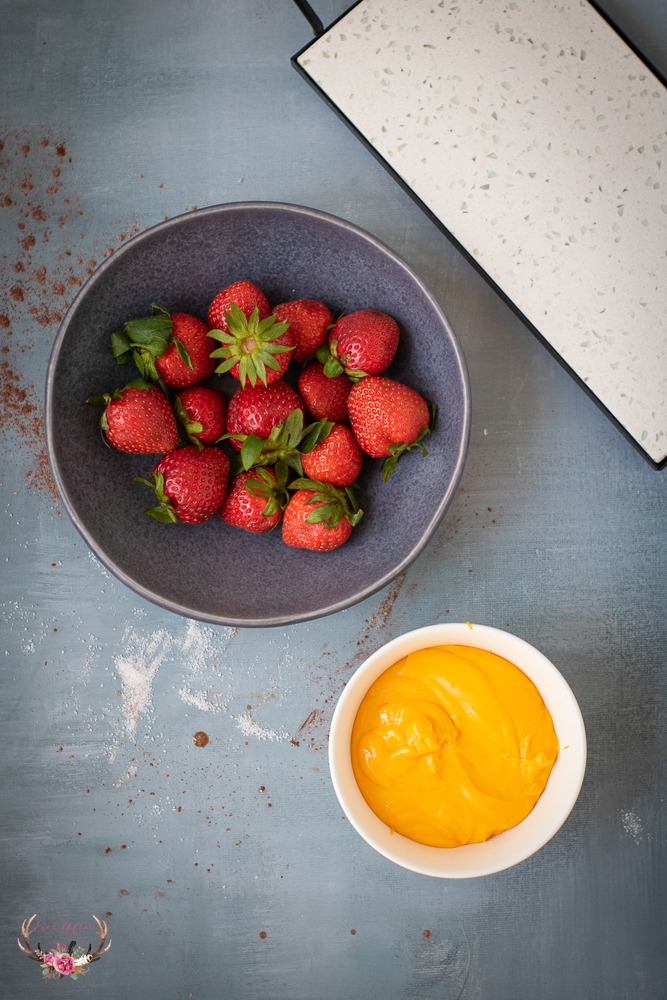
[(452, 745)]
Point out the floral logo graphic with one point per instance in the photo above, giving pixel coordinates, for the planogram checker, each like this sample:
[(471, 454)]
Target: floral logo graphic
[(64, 960)]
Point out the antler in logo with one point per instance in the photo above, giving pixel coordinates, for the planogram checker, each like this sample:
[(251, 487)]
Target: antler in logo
[(64, 961)]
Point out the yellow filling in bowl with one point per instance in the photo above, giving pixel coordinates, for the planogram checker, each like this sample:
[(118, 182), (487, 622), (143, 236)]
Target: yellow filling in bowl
[(452, 745)]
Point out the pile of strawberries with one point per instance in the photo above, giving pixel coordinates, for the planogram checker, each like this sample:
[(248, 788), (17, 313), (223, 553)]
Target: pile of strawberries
[(295, 451)]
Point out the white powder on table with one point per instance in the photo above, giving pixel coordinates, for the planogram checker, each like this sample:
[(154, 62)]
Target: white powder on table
[(632, 825)]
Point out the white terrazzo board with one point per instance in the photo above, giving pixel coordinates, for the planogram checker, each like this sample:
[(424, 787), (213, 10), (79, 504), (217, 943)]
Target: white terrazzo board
[(535, 136)]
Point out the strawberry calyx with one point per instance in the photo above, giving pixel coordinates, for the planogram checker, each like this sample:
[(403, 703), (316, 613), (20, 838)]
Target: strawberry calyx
[(327, 355), (145, 339), (250, 343), (191, 427), (396, 450), (163, 510), (333, 503), (286, 443), (270, 486)]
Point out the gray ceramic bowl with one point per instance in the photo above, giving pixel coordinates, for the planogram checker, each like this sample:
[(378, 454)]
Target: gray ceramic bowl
[(212, 572)]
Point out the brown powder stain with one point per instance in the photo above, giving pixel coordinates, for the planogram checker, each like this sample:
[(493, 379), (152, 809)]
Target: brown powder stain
[(200, 738), (21, 415), (379, 619)]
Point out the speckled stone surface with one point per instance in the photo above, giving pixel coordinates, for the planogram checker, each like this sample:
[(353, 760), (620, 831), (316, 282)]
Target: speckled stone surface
[(213, 572), (536, 136)]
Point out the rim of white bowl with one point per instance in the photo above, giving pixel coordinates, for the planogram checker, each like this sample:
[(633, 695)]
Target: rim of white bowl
[(507, 849)]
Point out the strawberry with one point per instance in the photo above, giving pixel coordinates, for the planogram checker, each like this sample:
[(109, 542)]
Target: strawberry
[(324, 396), (309, 321), (257, 409), (189, 484), (171, 348), (319, 517), (336, 460), (388, 418), (360, 343), (254, 346), (203, 412), (243, 294), (138, 419), (256, 499)]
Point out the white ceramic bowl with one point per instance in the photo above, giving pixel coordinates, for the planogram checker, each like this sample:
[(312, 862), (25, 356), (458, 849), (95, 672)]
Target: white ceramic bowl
[(508, 848)]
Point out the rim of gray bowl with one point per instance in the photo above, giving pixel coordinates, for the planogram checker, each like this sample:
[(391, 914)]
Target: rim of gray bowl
[(182, 609)]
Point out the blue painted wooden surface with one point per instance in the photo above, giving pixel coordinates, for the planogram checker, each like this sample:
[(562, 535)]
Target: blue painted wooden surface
[(229, 870)]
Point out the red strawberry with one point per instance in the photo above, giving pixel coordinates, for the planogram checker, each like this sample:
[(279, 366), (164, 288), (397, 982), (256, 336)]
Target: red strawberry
[(189, 484), (178, 369), (388, 418), (254, 346), (360, 343), (337, 459), (203, 412), (308, 321), (243, 294), (169, 347), (319, 517), (325, 396), (258, 409), (138, 419), (255, 499)]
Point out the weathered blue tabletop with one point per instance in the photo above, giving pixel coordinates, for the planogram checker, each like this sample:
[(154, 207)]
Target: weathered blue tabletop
[(228, 870)]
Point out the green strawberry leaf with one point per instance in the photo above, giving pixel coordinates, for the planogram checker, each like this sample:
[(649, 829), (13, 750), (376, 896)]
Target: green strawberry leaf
[(225, 365), (333, 367), (163, 512), (336, 503), (142, 340), (272, 488), (191, 427), (252, 450), (389, 465), (183, 353), (102, 400), (314, 435), (355, 374), (121, 348), (293, 462), (290, 430), (149, 331)]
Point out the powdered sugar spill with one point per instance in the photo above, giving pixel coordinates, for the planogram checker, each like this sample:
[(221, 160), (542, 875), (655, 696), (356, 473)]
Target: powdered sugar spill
[(249, 727), (632, 825), (201, 652), (200, 656), (136, 670)]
